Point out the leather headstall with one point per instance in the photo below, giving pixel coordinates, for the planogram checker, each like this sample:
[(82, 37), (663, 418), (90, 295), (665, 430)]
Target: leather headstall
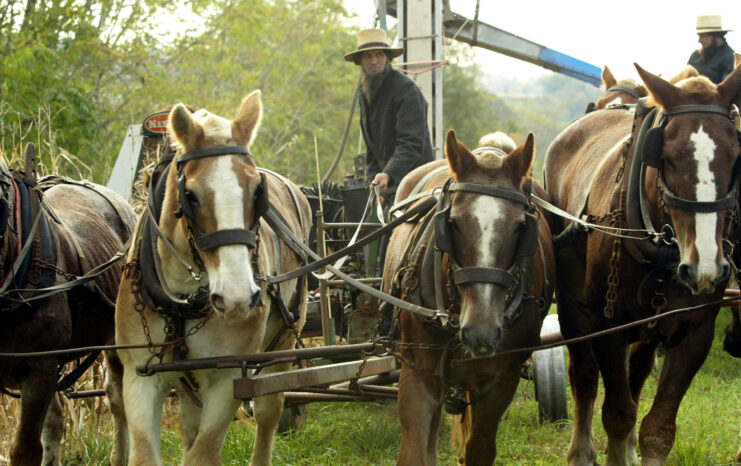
[(518, 277), (651, 155), (208, 241)]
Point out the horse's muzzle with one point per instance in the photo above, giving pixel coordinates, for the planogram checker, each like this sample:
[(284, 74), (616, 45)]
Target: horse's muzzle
[(481, 341), (699, 284)]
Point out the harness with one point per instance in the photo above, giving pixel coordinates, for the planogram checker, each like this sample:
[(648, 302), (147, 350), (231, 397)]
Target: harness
[(645, 150), (146, 271)]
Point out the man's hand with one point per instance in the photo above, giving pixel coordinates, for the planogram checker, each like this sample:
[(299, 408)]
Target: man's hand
[(382, 181)]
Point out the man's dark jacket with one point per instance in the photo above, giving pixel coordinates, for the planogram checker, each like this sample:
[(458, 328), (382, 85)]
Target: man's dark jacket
[(395, 130), (717, 66)]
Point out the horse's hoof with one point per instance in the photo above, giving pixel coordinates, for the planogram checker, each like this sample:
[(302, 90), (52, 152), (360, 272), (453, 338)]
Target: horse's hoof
[(732, 345)]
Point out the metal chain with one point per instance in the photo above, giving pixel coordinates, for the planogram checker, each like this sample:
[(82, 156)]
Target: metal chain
[(133, 271), (613, 278)]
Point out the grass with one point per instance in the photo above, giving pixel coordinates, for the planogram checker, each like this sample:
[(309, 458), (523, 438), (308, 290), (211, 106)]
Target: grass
[(369, 433)]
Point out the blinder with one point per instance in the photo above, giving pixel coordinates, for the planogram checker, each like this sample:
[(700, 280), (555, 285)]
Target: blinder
[(208, 241), (527, 241), (652, 151)]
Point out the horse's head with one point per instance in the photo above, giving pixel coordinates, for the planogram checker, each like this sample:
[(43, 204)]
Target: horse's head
[(220, 196), (490, 229), (625, 91), (691, 177)]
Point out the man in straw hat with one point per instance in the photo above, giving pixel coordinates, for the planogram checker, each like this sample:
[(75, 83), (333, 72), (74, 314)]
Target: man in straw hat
[(393, 113), (715, 57)]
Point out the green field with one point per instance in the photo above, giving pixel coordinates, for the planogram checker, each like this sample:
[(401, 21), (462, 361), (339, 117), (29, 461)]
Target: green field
[(368, 433)]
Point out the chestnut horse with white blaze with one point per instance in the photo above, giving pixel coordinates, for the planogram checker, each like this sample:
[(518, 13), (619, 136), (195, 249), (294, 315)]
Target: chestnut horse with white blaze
[(484, 259), (206, 244), (673, 179)]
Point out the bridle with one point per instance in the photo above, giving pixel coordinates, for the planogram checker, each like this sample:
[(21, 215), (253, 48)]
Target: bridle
[(651, 155), (515, 279), (626, 90), (207, 241)]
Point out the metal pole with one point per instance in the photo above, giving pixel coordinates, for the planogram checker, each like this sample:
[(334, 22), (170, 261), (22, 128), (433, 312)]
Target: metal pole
[(328, 331)]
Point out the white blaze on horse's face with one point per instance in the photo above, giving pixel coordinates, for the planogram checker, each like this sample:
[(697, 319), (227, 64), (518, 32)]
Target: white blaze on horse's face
[(705, 223), (483, 304), (231, 279)]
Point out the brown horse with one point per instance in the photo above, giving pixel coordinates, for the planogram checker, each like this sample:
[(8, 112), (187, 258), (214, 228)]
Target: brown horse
[(191, 280), (675, 183), (492, 256), (76, 227), (624, 92)]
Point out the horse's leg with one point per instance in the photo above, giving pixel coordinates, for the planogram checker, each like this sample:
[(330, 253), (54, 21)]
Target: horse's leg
[(37, 389), (488, 409), (584, 378), (420, 400), (267, 411), (219, 406), (114, 392), (618, 409), (52, 431), (681, 363), (143, 398), (433, 437), (190, 419), (732, 340), (642, 358)]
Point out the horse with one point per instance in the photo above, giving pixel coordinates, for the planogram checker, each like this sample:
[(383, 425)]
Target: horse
[(483, 258), (192, 280), (55, 231), (624, 92), (673, 181)]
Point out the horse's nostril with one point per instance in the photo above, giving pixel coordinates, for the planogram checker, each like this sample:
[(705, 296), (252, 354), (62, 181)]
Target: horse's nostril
[(217, 302), (685, 272), (725, 270), (256, 299), (497, 337)]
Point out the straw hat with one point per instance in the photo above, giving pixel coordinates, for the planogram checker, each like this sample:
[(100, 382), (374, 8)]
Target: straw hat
[(373, 39), (709, 23)]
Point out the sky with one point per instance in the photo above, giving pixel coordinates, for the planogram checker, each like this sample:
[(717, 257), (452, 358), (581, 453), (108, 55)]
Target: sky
[(659, 35)]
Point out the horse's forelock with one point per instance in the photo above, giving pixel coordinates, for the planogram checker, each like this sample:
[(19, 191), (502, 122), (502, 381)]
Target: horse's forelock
[(216, 129), (489, 161)]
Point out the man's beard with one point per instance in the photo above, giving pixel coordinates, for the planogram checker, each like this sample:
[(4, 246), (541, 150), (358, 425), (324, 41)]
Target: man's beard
[(709, 51), (372, 83)]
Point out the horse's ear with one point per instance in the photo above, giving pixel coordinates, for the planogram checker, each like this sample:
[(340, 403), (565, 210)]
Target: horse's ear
[(183, 128), (460, 158), (247, 121), (608, 80), (729, 91), (520, 161), (665, 94)]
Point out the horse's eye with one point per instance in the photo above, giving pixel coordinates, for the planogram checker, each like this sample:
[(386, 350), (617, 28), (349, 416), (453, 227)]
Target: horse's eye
[(669, 163), (190, 197), (454, 225)]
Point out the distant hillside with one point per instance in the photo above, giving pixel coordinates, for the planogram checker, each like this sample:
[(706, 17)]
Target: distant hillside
[(543, 105)]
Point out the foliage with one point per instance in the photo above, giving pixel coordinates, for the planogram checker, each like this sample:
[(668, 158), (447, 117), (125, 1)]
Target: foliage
[(470, 110)]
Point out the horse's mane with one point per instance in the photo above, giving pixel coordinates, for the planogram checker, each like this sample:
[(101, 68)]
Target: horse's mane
[(692, 83), (499, 140), (487, 155)]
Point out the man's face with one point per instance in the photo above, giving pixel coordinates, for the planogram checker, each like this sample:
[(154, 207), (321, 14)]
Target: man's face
[(705, 40), (373, 61)]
